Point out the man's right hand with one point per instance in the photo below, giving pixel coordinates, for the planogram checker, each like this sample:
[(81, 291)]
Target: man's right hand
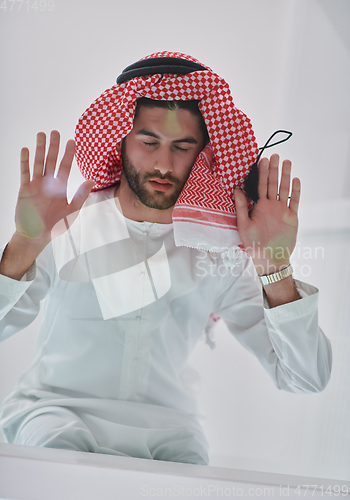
[(42, 202)]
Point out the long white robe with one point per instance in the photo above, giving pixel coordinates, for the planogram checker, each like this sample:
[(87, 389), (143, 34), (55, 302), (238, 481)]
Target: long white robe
[(123, 309)]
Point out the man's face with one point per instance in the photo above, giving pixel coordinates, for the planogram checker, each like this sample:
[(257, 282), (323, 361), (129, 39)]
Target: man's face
[(158, 154)]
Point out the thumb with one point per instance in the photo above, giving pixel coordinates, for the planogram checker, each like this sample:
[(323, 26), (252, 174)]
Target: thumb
[(241, 207), (81, 195)]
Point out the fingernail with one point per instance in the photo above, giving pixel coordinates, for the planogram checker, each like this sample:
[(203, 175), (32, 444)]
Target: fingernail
[(40, 139)]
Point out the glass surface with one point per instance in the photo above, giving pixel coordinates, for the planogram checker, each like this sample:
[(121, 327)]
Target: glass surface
[(288, 66)]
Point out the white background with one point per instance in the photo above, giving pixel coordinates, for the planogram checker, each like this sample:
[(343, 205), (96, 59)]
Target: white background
[(288, 66)]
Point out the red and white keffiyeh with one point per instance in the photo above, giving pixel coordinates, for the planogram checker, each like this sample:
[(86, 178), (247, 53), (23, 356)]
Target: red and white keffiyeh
[(204, 216)]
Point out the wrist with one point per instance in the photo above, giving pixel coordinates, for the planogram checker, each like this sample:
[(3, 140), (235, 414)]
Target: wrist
[(19, 255), (31, 245), (265, 268), (281, 292)]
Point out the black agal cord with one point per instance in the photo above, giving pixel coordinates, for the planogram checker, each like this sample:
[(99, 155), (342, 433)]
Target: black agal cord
[(252, 180)]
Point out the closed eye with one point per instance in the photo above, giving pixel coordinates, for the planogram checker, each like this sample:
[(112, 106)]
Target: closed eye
[(156, 144)]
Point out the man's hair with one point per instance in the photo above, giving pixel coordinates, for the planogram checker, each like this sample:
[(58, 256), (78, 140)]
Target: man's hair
[(191, 106)]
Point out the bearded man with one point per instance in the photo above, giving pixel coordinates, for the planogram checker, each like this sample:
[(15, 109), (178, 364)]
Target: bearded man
[(131, 270)]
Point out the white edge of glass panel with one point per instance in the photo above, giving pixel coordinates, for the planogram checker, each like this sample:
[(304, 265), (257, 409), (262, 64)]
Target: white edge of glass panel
[(28, 472)]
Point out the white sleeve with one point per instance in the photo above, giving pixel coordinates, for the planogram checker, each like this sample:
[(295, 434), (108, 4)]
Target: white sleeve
[(20, 300), (286, 339)]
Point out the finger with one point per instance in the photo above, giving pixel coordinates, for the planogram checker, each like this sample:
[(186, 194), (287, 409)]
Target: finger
[(241, 208), (66, 163), (263, 176), (295, 196), (81, 195), (25, 173), (39, 154), (52, 154), (285, 182), (272, 183)]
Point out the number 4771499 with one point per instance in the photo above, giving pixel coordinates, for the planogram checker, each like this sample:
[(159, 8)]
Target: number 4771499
[(310, 489), (27, 5)]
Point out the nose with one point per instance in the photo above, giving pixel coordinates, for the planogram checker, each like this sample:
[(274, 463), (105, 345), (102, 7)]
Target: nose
[(163, 161)]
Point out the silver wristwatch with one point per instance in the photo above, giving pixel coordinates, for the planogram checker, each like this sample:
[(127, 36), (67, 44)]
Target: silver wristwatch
[(267, 279)]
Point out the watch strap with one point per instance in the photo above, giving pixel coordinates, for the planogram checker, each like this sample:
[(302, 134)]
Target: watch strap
[(267, 279)]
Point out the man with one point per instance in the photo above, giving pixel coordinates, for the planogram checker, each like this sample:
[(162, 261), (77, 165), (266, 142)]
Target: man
[(121, 268)]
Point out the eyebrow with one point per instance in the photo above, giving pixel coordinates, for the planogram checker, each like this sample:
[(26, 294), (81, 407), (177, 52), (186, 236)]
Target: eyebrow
[(189, 139)]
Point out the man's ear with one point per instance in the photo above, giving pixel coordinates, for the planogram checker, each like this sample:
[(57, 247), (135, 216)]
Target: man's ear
[(119, 147)]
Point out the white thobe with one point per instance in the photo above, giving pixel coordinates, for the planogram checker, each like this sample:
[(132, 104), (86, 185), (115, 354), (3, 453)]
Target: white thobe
[(123, 309)]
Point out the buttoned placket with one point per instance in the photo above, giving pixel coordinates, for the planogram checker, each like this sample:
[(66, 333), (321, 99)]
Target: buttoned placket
[(136, 357)]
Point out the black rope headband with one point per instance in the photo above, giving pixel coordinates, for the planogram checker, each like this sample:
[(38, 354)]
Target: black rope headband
[(161, 65)]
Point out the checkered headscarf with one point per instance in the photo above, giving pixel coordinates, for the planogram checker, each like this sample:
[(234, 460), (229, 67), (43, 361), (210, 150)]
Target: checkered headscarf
[(204, 215)]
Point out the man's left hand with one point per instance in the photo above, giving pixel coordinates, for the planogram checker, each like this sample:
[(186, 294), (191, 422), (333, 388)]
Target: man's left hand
[(269, 231)]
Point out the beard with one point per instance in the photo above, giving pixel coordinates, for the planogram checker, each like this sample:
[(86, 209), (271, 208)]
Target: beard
[(137, 182)]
